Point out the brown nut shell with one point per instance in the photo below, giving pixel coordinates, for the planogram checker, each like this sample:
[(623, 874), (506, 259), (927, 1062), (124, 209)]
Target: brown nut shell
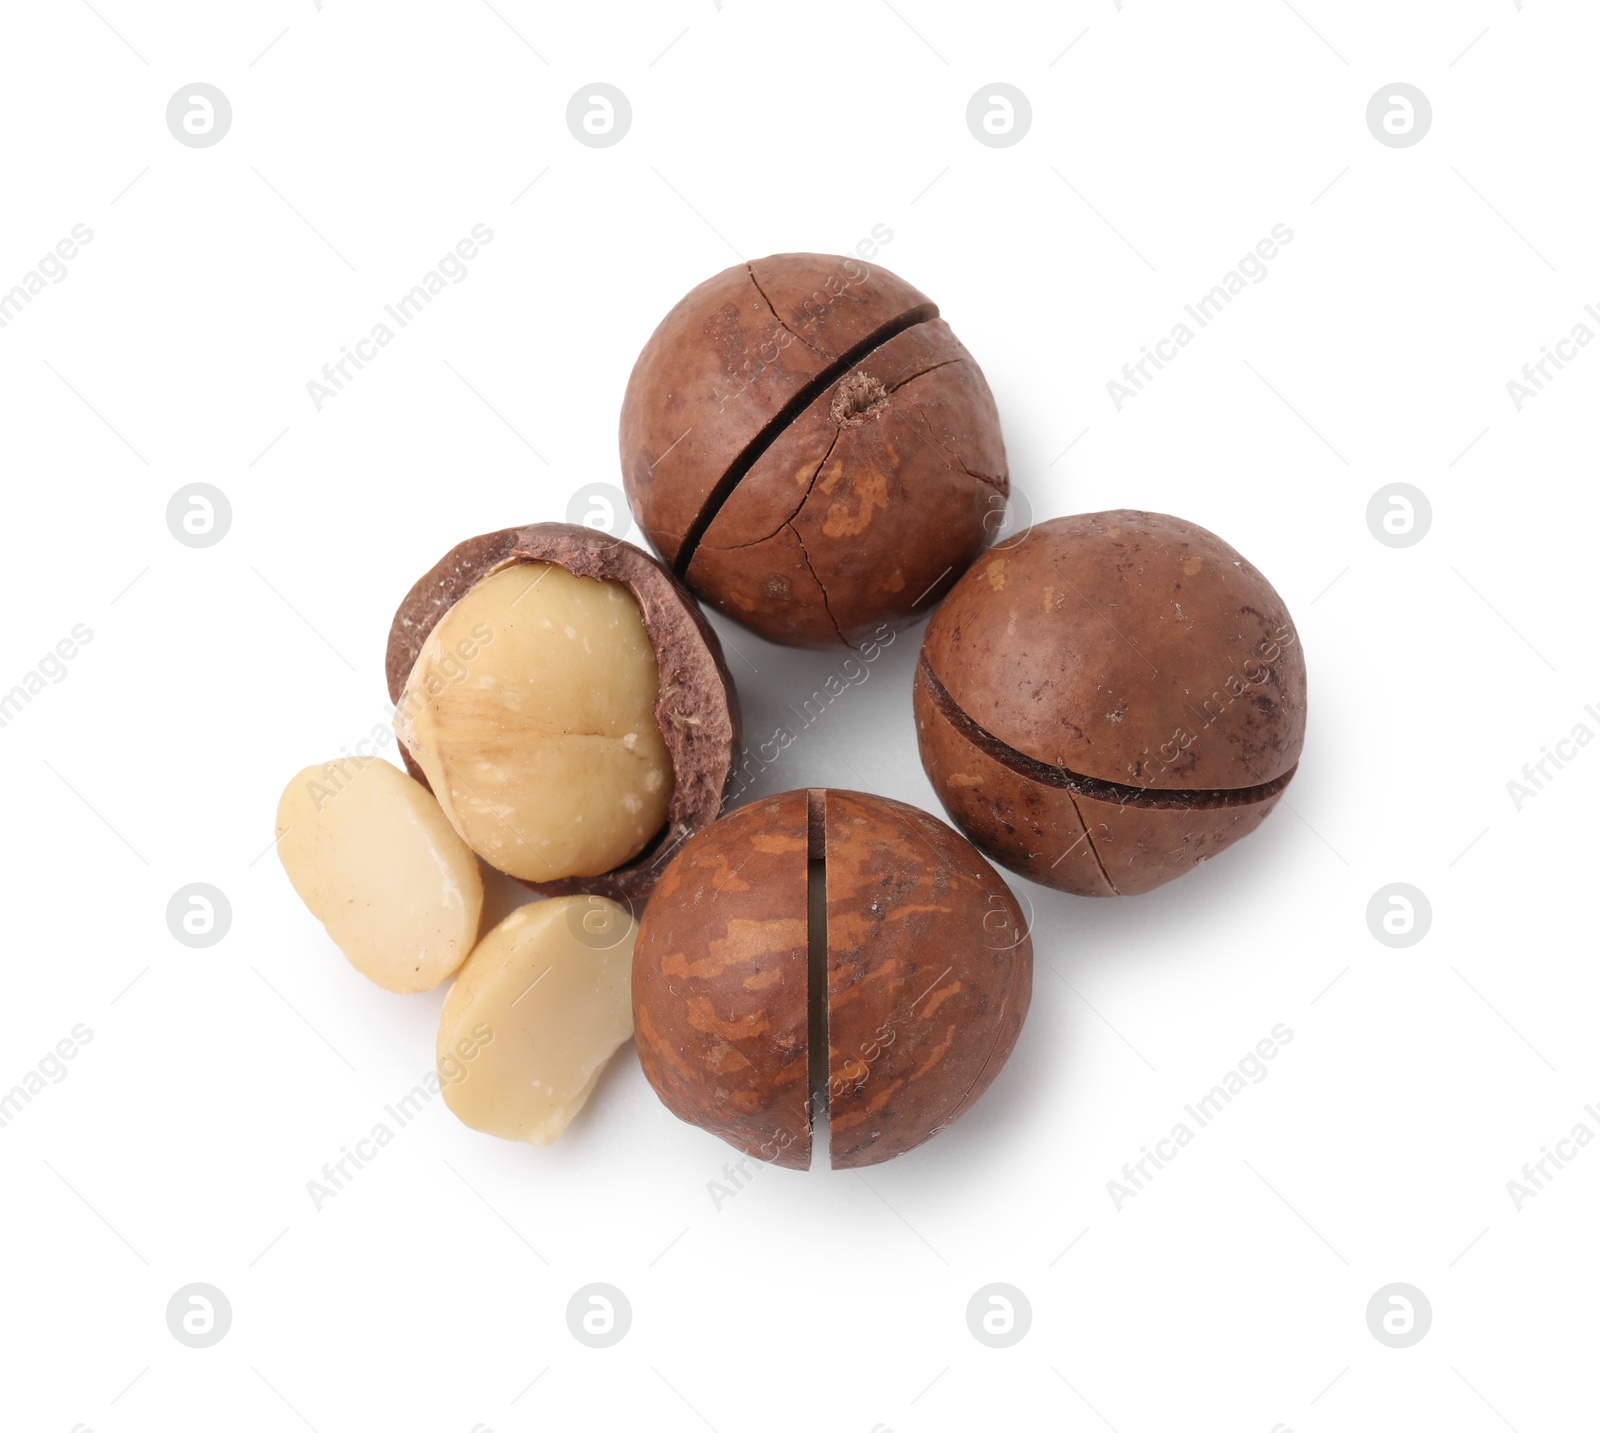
[(1089, 838), (921, 976), (1110, 700), (811, 448), (719, 982), (698, 708), (930, 972)]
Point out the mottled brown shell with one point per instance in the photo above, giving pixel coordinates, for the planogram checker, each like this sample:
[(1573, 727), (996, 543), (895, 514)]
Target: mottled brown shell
[(719, 982), (697, 711), (930, 971), (811, 448), (1110, 700), (926, 977)]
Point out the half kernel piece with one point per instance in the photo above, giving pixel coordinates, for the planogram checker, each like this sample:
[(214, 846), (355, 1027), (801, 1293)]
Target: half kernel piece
[(370, 853), (564, 699), (541, 1005), (531, 711)]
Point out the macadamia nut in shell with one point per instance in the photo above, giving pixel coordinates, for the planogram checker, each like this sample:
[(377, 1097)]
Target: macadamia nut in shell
[(828, 951), (811, 448), (531, 710), (562, 695), (1109, 700)]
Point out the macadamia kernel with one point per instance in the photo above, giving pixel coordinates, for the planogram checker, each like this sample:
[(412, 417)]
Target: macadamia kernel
[(370, 853), (531, 710), (541, 1005)]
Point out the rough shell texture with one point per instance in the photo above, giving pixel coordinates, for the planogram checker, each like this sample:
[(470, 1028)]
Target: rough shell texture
[(930, 971), (1088, 642), (719, 982), (697, 711), (811, 448), (1090, 838), (928, 975), (1110, 700)]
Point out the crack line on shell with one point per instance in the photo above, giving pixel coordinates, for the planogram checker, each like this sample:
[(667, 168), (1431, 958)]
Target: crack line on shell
[(749, 269), (1152, 798), (820, 588), (1094, 850), (769, 433), (932, 367), (1000, 485), (756, 542)]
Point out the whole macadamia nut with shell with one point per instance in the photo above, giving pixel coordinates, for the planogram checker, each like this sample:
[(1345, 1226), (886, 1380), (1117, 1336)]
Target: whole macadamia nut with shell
[(1109, 700), (828, 952), (811, 449), (567, 704)]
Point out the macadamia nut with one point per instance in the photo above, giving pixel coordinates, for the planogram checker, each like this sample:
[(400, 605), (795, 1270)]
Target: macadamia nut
[(539, 1008), (828, 953), (531, 710), (370, 853), (812, 449), (1110, 700)]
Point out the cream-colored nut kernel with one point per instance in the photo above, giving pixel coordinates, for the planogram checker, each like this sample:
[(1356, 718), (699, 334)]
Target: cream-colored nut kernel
[(370, 853), (541, 1005), (531, 710)]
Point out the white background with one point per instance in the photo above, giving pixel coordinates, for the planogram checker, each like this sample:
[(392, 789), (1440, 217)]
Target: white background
[(1167, 139)]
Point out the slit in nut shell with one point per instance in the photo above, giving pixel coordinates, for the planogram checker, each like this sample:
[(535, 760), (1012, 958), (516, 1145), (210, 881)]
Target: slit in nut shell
[(826, 955), (1110, 701)]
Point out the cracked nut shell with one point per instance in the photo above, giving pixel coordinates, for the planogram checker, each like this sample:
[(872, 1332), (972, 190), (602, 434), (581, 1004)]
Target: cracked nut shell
[(1110, 700), (911, 954), (811, 449), (697, 711)]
